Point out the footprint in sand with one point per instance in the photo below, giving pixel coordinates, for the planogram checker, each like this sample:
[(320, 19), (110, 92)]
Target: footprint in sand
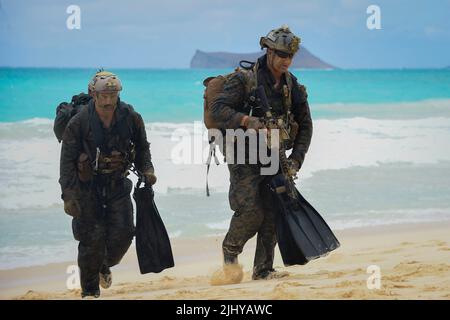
[(402, 286), (350, 284), (179, 294), (415, 269), (396, 250), (121, 291), (281, 293), (395, 278), (33, 295), (411, 262), (167, 278), (291, 284), (430, 288), (335, 274), (434, 243)]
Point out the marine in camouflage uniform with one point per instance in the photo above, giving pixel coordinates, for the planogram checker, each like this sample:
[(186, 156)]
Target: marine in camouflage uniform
[(249, 196), (65, 111), (96, 155)]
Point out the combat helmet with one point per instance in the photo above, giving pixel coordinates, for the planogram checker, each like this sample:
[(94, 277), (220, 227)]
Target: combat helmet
[(99, 73), (281, 39), (107, 82)]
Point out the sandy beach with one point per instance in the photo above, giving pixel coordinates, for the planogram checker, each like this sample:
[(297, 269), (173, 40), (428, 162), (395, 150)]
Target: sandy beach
[(413, 261)]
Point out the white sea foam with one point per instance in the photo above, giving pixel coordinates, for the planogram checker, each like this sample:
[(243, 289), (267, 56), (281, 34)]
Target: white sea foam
[(29, 154), (429, 108), (364, 218), (34, 254), (222, 225)]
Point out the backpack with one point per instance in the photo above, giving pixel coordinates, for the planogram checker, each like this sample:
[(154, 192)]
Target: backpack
[(214, 86), (65, 111)]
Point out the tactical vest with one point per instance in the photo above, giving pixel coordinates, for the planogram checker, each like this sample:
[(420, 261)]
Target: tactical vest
[(113, 151), (214, 86)]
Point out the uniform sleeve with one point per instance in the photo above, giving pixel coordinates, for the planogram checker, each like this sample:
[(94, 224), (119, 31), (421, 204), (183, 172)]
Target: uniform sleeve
[(143, 159), (70, 151), (302, 116), (224, 107)]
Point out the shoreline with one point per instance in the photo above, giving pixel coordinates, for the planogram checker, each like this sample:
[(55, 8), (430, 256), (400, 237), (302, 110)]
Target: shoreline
[(412, 259), (372, 110)]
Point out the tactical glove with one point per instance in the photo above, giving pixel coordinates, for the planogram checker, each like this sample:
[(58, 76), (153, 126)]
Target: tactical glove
[(150, 178), (72, 208), (294, 166)]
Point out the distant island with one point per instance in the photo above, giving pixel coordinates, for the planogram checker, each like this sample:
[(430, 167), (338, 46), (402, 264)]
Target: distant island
[(222, 60)]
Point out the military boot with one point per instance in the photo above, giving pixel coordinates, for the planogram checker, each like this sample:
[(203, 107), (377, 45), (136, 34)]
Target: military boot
[(269, 275), (90, 294), (105, 277), (230, 259)]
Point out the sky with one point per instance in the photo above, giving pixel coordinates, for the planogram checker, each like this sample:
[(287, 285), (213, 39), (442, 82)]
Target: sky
[(166, 34)]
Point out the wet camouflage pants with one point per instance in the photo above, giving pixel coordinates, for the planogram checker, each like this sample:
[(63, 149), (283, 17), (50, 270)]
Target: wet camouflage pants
[(252, 202), (104, 236)]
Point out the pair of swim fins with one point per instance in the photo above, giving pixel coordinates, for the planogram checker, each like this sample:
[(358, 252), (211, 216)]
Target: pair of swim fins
[(153, 247), (302, 233)]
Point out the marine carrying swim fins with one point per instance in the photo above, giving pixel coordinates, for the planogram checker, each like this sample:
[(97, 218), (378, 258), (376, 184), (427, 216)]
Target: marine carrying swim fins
[(302, 234), (153, 247)]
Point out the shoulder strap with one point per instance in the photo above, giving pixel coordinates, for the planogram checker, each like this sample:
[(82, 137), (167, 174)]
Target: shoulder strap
[(287, 92), (95, 126), (251, 79), (289, 81), (84, 115), (125, 125)]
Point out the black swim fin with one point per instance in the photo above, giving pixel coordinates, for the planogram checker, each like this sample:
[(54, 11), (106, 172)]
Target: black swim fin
[(302, 234), (153, 247)]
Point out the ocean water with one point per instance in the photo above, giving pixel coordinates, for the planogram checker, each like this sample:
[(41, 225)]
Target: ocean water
[(380, 152)]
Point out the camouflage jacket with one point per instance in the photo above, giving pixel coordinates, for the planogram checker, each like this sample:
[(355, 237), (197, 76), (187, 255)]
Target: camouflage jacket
[(79, 138), (230, 106)]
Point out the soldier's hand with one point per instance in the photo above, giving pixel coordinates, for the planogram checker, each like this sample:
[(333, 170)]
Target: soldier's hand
[(72, 208), (253, 123), (294, 167), (150, 178)]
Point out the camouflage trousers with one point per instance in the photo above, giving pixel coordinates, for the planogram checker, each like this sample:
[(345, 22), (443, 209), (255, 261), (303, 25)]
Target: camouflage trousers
[(251, 200), (104, 235)]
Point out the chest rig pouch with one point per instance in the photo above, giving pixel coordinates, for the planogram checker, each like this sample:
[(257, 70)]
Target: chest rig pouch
[(285, 121), (114, 149)]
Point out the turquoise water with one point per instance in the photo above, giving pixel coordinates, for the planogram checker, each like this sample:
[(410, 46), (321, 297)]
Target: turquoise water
[(382, 135), (176, 95)]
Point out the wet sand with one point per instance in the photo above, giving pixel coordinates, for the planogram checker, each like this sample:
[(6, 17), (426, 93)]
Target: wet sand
[(413, 260)]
